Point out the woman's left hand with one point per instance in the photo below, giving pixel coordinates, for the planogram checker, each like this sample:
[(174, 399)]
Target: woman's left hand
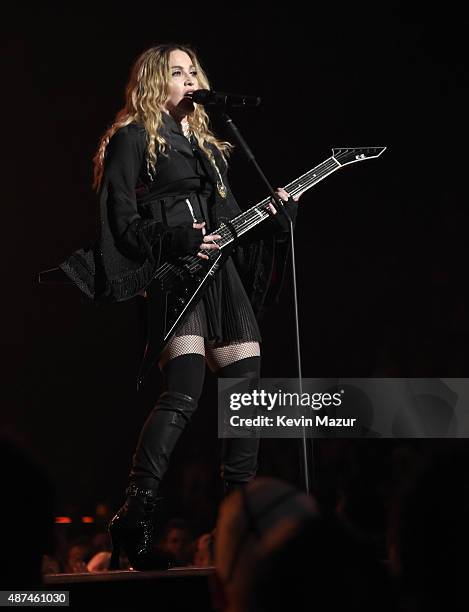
[(284, 196)]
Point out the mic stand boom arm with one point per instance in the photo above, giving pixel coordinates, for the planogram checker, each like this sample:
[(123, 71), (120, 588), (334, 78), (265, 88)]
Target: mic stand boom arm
[(278, 204)]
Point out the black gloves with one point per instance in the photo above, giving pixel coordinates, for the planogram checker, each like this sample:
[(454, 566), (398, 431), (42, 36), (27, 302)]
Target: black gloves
[(291, 208), (184, 240)]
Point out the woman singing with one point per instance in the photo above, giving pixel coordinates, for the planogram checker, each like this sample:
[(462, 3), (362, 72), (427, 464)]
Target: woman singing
[(161, 176)]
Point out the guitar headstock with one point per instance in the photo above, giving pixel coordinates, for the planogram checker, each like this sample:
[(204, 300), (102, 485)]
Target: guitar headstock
[(349, 155)]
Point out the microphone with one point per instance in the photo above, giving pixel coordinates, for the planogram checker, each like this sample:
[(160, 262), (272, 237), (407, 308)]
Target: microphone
[(223, 100)]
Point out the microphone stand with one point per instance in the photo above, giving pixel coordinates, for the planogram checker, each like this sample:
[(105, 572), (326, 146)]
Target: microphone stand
[(278, 205)]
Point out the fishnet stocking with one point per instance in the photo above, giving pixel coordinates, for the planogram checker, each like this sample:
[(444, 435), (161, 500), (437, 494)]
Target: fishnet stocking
[(216, 357), (181, 345), (221, 356)]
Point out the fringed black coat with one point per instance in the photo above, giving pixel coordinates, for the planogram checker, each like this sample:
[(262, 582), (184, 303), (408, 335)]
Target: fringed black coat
[(138, 207)]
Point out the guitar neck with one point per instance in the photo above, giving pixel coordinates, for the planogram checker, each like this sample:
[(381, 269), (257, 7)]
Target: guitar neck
[(251, 217)]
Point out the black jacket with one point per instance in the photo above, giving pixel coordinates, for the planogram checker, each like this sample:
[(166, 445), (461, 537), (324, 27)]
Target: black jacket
[(138, 209)]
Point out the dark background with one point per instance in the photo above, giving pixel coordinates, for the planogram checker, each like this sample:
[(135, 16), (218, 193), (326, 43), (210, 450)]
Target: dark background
[(381, 246)]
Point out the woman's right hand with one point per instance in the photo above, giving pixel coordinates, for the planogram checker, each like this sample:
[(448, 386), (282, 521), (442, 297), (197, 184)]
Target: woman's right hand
[(207, 242), (187, 240)]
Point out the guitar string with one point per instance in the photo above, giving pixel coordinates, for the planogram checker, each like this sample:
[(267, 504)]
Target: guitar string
[(252, 214), (248, 217), (296, 186)]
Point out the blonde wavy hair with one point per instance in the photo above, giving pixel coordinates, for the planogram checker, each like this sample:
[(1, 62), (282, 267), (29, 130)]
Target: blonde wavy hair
[(145, 94)]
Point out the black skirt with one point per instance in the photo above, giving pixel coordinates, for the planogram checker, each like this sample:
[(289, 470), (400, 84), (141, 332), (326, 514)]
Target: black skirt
[(224, 315)]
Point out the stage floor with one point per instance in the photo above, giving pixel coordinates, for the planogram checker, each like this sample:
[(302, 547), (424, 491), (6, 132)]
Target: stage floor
[(182, 588)]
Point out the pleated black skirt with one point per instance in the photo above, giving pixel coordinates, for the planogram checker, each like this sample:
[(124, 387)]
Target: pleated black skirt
[(224, 315)]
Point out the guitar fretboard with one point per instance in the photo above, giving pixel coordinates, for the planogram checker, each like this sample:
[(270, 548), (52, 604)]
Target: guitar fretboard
[(261, 211)]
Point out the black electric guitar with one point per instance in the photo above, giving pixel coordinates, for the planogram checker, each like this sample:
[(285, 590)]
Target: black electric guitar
[(178, 284)]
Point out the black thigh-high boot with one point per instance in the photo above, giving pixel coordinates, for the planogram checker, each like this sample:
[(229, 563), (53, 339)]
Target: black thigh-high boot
[(239, 455), (132, 528)]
